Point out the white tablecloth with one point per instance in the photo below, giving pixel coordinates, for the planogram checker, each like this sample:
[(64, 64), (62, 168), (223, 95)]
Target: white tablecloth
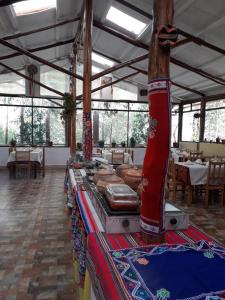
[(177, 154), (108, 156), (35, 154), (198, 173)]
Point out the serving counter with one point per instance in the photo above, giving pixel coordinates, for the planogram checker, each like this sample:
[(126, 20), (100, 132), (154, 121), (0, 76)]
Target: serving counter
[(116, 265)]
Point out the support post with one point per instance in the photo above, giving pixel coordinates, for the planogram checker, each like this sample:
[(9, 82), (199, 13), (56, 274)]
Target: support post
[(158, 144), (73, 117), (87, 41), (180, 122), (202, 121)]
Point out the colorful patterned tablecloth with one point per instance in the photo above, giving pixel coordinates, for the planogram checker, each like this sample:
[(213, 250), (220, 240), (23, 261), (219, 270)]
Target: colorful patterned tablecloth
[(109, 277)]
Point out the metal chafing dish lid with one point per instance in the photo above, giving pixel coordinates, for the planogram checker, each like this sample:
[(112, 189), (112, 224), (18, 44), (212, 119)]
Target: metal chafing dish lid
[(120, 190)]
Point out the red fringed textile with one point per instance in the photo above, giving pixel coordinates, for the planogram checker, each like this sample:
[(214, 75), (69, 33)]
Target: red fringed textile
[(156, 157)]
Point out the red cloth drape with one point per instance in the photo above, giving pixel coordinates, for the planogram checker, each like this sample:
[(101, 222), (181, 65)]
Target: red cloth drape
[(156, 157)]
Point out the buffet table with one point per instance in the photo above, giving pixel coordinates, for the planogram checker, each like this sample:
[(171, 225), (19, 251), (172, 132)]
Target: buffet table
[(116, 266)]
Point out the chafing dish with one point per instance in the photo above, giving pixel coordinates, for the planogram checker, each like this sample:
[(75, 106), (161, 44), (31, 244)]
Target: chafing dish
[(121, 197)]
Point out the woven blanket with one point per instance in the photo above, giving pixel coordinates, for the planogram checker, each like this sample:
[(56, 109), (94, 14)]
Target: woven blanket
[(166, 272), (107, 280)]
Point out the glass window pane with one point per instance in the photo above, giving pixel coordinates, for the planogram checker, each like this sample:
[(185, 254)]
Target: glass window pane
[(11, 83), (139, 106), (215, 104), (214, 124), (191, 125), (109, 105), (186, 107), (54, 79), (139, 127)]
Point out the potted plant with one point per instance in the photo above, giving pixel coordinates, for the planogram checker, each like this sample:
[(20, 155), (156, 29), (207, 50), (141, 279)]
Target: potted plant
[(68, 106), (123, 144), (113, 144), (132, 142), (101, 143), (12, 143)]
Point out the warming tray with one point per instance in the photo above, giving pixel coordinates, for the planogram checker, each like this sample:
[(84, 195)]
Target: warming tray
[(121, 197)]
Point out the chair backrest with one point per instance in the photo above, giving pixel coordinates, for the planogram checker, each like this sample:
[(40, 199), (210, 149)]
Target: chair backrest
[(99, 150), (195, 155), (131, 153), (117, 158), (172, 170), (216, 173), (22, 155)]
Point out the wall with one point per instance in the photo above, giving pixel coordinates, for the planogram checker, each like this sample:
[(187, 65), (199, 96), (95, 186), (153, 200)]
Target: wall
[(207, 148), (53, 156), (212, 149), (188, 145)]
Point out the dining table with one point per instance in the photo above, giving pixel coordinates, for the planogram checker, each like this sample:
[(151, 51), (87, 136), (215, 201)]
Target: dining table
[(37, 157), (192, 174), (107, 155), (36, 154)]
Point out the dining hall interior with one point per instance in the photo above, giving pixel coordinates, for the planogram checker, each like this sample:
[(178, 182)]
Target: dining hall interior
[(112, 149)]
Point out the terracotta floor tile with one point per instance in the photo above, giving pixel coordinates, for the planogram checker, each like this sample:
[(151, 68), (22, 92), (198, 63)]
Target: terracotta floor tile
[(35, 240)]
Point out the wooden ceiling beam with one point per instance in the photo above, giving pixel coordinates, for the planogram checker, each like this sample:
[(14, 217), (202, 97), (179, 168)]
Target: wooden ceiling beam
[(111, 83), (8, 2), (33, 80), (120, 66), (15, 54), (39, 59), (187, 89), (18, 35), (207, 98), (119, 61), (144, 46), (189, 37), (146, 73), (201, 42)]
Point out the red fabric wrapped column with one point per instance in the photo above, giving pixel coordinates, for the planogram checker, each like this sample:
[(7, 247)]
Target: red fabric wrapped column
[(156, 157), (87, 136)]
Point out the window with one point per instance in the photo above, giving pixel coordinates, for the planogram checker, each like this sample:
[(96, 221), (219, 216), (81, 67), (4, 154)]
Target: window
[(30, 125), (174, 124), (191, 125), (54, 79), (11, 83), (33, 6), (214, 124), (125, 21)]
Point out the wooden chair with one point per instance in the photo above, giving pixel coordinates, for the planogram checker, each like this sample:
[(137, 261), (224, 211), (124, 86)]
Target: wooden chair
[(195, 155), (215, 181), (173, 183), (23, 162), (117, 158)]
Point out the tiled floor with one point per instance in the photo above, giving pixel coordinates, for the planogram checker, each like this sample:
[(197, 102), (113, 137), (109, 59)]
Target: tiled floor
[(210, 220), (35, 241)]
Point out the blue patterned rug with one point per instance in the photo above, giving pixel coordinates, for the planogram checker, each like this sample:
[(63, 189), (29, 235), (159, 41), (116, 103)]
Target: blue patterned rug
[(172, 272)]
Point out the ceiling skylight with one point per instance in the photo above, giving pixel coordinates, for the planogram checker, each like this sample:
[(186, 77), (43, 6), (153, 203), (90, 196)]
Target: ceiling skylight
[(102, 60), (123, 20), (33, 6)]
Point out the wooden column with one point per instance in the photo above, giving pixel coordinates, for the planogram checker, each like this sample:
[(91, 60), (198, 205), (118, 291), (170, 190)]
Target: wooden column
[(73, 118), (180, 122), (87, 41), (158, 145), (202, 121)]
